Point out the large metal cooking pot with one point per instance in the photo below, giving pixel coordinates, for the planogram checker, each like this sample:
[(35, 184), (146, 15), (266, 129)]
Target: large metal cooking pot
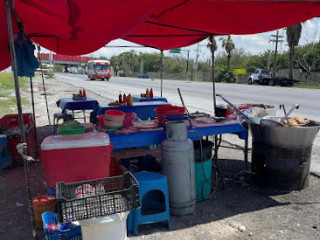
[(295, 137)]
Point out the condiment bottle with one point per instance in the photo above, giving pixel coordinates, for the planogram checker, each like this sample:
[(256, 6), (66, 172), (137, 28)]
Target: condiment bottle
[(80, 92), (147, 93), (124, 98), (120, 97), (129, 100), (151, 93), (84, 92)]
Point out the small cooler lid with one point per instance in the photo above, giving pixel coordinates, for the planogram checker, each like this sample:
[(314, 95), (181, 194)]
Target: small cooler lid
[(91, 139)]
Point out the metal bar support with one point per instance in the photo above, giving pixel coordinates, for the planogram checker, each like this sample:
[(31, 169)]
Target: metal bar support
[(9, 6)]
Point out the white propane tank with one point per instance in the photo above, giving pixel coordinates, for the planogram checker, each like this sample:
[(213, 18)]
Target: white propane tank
[(178, 166)]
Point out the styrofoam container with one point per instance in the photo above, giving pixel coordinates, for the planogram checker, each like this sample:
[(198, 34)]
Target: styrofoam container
[(104, 228), (75, 158)]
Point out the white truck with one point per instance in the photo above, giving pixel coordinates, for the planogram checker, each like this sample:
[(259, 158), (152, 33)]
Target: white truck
[(264, 77)]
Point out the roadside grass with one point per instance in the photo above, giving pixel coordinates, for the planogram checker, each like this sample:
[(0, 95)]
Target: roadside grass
[(8, 104), (6, 81), (307, 86)]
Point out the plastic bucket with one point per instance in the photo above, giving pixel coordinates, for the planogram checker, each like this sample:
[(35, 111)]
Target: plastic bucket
[(103, 228), (114, 119), (72, 130), (128, 119), (203, 179), (43, 204)]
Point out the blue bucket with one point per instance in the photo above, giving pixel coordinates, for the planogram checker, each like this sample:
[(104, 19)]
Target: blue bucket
[(203, 180)]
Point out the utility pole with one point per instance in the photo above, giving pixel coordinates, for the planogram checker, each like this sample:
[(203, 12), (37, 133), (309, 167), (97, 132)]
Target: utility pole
[(196, 64), (276, 40), (187, 70)]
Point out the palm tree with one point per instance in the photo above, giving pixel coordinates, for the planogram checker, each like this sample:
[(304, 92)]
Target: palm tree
[(293, 37), (228, 45)]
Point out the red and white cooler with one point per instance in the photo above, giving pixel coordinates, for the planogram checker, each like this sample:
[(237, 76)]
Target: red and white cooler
[(75, 158)]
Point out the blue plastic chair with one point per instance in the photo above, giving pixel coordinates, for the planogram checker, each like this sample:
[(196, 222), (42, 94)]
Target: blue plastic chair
[(151, 185)]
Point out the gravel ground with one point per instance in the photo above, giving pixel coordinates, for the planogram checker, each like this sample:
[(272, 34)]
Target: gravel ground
[(241, 211)]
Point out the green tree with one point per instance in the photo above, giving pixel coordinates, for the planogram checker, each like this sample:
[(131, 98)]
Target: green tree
[(228, 45), (293, 37)]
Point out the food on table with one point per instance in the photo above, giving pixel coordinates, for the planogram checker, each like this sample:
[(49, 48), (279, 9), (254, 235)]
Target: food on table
[(295, 121), (70, 123)]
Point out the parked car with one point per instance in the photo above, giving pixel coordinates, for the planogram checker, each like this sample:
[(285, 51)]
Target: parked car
[(264, 77), (260, 76), (143, 75)]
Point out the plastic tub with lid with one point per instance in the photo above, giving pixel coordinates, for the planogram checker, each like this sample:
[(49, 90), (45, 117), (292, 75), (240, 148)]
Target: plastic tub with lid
[(75, 158)]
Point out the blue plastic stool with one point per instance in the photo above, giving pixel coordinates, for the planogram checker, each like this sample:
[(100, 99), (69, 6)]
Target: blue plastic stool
[(5, 157), (149, 185)]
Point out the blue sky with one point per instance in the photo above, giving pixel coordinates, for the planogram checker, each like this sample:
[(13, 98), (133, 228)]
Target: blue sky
[(255, 43)]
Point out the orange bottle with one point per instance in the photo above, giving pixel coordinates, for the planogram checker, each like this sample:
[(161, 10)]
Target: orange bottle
[(147, 93), (129, 100), (80, 92)]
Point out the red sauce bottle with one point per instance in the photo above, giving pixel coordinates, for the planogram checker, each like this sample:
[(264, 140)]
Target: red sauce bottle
[(151, 93)]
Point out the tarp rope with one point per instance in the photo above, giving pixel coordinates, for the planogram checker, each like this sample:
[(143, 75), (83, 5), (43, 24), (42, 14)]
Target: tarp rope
[(44, 86)]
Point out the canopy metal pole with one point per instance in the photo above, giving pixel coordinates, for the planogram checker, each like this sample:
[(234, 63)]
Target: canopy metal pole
[(161, 70), (9, 6), (213, 48), (34, 116), (44, 86)]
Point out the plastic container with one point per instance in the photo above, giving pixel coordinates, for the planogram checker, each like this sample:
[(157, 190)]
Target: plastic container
[(5, 157), (43, 204), (95, 198), (103, 228), (203, 179), (167, 110), (70, 232), (114, 119), (72, 130), (74, 158), (128, 119)]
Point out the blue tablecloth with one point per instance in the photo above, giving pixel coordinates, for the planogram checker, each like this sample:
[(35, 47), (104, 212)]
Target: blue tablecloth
[(147, 138), (138, 98), (70, 104), (144, 110)]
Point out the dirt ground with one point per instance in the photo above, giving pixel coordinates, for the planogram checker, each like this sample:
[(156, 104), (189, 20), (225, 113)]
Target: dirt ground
[(241, 211)]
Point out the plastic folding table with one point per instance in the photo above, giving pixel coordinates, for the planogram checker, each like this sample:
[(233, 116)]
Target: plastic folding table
[(138, 98), (146, 138), (69, 104)]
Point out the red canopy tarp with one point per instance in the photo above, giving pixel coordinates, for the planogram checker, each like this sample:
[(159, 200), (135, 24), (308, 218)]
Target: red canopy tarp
[(76, 27), (220, 17)]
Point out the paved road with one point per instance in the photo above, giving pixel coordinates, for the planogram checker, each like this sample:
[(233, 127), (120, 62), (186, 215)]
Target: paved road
[(198, 96)]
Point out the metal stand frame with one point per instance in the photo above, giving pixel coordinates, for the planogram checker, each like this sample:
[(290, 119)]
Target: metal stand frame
[(9, 7)]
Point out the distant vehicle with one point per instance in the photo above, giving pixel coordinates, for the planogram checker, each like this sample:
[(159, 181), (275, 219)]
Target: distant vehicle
[(264, 77), (260, 76), (143, 75), (99, 69), (73, 70)]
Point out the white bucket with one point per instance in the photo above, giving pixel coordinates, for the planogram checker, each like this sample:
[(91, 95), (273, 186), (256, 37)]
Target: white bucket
[(105, 228), (114, 118)]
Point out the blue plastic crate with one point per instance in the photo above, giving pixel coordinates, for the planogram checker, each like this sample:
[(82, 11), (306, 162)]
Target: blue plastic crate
[(5, 157), (67, 231)]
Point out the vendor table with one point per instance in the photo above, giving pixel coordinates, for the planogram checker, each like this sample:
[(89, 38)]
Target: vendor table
[(144, 110), (138, 98), (146, 138), (72, 105)]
